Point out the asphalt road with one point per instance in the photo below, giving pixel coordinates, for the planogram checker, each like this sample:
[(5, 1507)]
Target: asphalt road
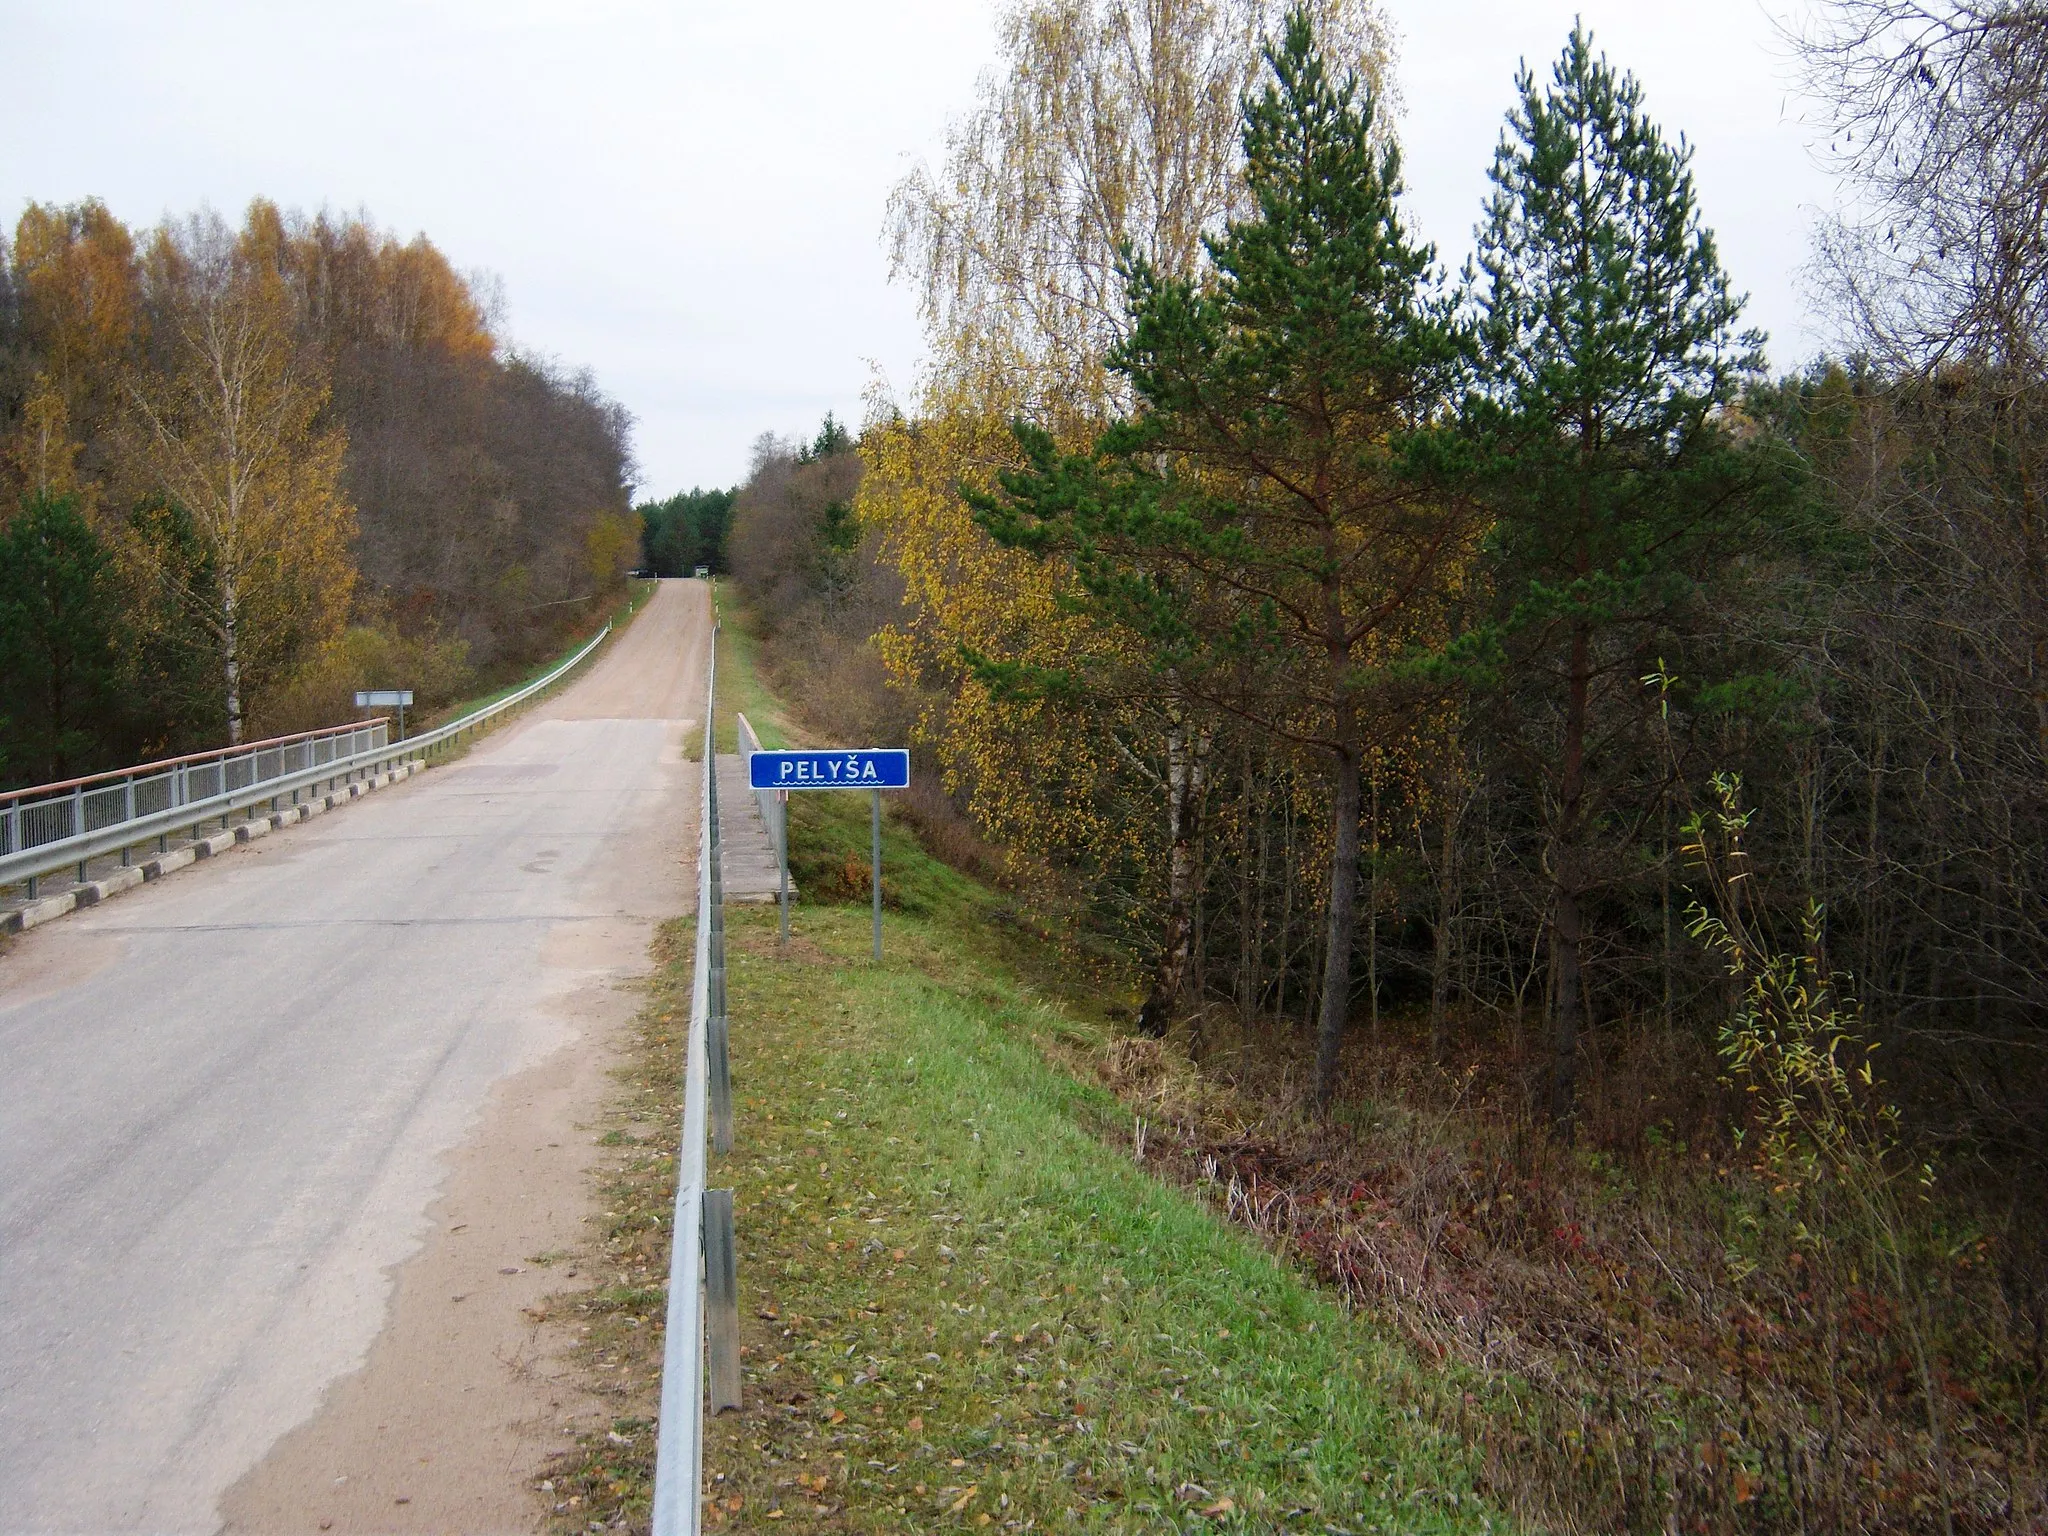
[(224, 1097)]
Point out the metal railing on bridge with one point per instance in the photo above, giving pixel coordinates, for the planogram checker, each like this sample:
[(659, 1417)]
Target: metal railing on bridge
[(703, 1280), (774, 807), (53, 827)]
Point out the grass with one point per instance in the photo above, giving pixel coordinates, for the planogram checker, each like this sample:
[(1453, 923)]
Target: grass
[(964, 1305), (740, 689)]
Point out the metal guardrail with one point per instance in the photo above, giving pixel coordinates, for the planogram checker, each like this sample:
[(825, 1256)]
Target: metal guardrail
[(703, 1294), (774, 809), (47, 820), (52, 827)]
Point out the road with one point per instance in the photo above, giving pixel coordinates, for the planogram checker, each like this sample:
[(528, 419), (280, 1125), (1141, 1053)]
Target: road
[(230, 1098)]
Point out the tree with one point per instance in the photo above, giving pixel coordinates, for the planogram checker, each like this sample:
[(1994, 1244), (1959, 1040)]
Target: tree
[(1273, 521), (1609, 353), (79, 288), (686, 531), (1937, 112), (60, 666), (230, 432), (1113, 124)]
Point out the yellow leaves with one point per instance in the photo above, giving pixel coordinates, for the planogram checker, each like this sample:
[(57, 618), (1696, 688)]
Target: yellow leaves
[(230, 433), (42, 454), (1035, 774), (611, 545), (961, 1503), (80, 297)]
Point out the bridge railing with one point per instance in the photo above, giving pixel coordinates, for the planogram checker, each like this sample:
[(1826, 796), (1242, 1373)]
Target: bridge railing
[(51, 827), (773, 807), (702, 1347)]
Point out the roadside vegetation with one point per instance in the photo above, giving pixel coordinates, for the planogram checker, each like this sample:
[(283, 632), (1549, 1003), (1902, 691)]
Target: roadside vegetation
[(1557, 807), (247, 471), (966, 1302)]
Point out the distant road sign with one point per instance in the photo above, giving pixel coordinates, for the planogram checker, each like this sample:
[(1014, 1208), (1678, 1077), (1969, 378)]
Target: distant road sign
[(377, 698), (846, 768)]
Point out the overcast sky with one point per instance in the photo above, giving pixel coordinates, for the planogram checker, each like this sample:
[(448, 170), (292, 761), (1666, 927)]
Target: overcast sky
[(686, 198)]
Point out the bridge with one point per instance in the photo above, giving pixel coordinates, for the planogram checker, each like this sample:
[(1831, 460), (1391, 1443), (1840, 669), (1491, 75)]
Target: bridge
[(280, 1135)]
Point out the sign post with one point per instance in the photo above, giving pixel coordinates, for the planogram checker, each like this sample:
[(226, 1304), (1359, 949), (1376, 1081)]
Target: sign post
[(870, 768), (782, 858), (384, 698)]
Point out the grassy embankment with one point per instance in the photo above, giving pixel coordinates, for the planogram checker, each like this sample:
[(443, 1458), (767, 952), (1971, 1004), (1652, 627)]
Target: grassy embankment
[(963, 1302)]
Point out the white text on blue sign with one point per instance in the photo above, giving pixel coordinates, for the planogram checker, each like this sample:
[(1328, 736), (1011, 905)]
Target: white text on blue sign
[(845, 768)]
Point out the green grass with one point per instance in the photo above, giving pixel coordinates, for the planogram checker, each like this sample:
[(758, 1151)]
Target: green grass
[(962, 1299), (740, 689), (963, 1303)]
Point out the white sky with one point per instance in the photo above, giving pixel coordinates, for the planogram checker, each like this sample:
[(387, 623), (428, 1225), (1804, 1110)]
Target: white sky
[(687, 198)]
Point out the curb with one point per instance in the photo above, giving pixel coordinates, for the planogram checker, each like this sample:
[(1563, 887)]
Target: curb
[(126, 878)]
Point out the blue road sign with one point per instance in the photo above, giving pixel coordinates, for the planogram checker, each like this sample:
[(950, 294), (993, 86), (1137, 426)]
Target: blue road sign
[(846, 768)]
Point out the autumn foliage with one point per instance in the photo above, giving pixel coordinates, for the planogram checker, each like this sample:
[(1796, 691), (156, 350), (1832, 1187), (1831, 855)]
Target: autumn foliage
[(302, 463), (1571, 805)]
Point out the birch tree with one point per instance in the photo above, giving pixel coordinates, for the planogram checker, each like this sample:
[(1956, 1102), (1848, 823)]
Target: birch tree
[(1111, 125), (228, 433)]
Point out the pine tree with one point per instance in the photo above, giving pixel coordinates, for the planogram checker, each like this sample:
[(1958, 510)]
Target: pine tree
[(1269, 524), (1609, 353), (59, 662)]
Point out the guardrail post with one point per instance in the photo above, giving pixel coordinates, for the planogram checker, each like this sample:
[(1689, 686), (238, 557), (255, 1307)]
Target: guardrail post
[(717, 1039), (721, 1300), (127, 814)]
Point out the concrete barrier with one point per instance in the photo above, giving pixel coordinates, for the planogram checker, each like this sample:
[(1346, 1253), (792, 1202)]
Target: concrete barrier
[(37, 913), (166, 863), (112, 883)]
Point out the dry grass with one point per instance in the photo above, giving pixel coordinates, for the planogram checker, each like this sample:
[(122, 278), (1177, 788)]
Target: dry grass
[(1657, 1352)]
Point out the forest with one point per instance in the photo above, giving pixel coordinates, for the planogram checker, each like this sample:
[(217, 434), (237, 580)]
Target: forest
[(685, 531), (247, 471), (1565, 809)]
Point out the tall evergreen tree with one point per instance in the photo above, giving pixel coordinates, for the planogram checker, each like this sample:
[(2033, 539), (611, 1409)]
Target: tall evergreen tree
[(59, 662), (1609, 350), (1266, 524)]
